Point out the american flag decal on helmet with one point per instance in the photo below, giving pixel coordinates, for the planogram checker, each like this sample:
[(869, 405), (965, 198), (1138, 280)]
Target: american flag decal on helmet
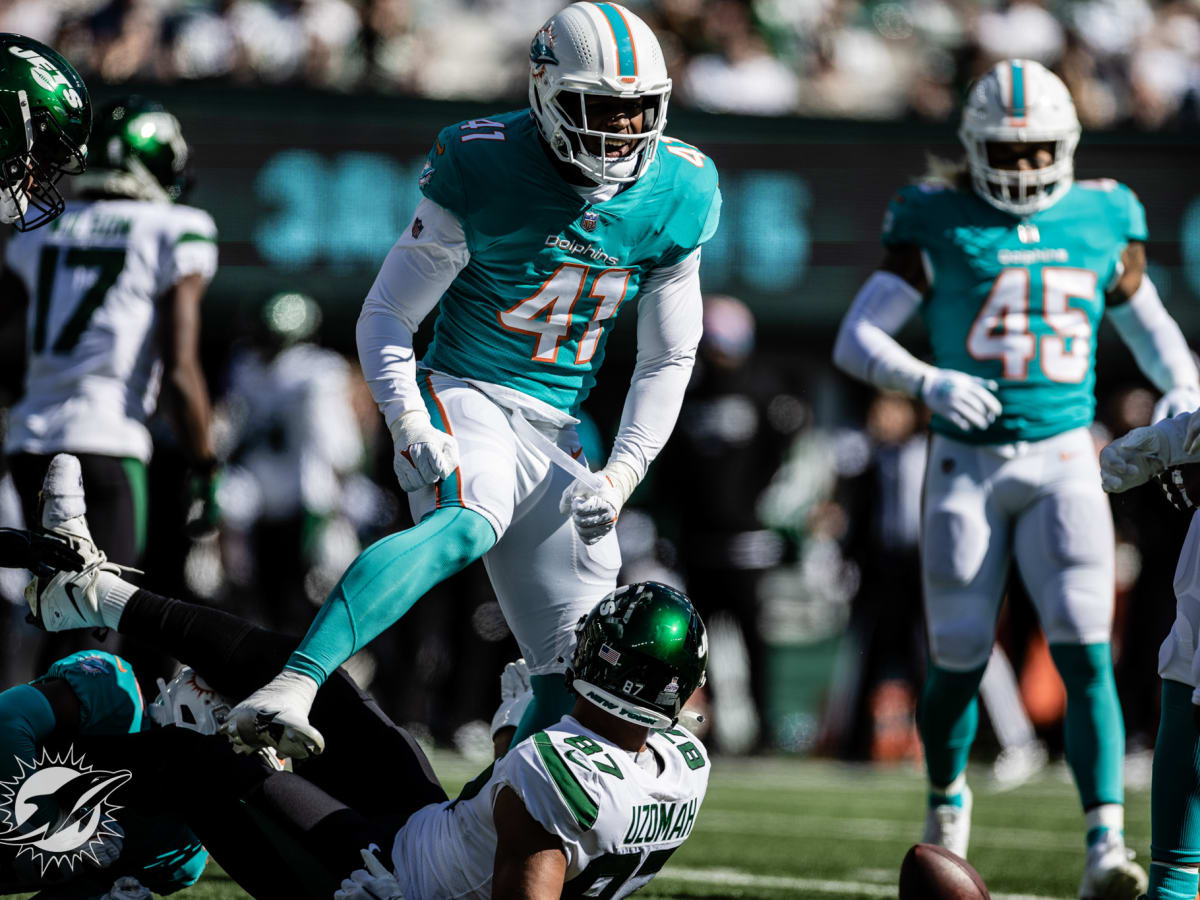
[(589, 221), (609, 655)]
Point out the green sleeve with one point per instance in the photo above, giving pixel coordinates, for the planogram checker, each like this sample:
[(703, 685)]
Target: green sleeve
[(26, 720)]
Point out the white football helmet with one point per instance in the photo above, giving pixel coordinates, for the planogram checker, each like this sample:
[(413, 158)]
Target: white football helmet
[(597, 49), (188, 701), (1019, 100)]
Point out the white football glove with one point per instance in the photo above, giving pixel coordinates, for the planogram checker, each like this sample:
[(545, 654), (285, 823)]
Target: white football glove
[(1134, 459), (515, 696), (128, 888), (276, 715), (374, 882), (424, 454), (595, 508), (1183, 398), (965, 400)]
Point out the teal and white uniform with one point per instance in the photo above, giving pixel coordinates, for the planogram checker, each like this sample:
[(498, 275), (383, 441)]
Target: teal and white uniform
[(619, 815), (160, 852), (528, 274), (1017, 301)]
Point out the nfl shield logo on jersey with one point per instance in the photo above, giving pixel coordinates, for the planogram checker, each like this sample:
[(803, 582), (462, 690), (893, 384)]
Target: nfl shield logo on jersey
[(589, 221)]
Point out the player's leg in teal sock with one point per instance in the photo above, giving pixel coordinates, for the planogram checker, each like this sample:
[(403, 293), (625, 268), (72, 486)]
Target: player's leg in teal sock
[(947, 719), (1095, 733), (551, 701), (384, 582), (1175, 799)]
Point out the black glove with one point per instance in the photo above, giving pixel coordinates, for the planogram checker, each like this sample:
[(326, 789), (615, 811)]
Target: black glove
[(43, 553)]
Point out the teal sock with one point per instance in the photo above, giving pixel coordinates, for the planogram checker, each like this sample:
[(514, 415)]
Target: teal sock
[(1169, 882), (1175, 787), (947, 718), (551, 701), (1094, 732), (384, 582)]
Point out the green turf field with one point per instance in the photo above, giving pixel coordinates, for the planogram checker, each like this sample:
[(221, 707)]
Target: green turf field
[(789, 828)]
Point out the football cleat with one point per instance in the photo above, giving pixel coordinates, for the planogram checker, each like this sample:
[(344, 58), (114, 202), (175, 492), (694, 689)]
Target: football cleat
[(949, 825), (1110, 872), (69, 600), (276, 715)]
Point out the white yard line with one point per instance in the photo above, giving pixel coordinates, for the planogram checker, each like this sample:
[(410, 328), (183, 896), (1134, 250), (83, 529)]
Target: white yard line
[(735, 878), (790, 825)]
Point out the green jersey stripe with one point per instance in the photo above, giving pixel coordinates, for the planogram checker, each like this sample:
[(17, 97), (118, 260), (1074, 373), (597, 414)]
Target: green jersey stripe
[(582, 806), (188, 236)]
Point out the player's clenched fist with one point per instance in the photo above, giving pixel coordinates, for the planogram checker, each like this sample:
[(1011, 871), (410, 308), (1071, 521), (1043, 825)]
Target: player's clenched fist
[(965, 400), (1133, 459), (424, 454), (594, 506)]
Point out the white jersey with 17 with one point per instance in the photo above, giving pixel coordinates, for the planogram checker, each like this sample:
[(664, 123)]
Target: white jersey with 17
[(94, 278), (619, 817)]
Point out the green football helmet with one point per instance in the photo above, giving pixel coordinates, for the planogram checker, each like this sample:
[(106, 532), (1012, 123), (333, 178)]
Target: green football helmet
[(45, 118), (138, 152), (642, 651)]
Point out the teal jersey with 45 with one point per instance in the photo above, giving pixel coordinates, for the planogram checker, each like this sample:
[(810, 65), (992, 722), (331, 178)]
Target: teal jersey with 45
[(549, 271), (1019, 301)]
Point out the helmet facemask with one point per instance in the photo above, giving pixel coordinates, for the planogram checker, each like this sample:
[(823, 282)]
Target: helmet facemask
[(1022, 192), (1020, 101), (579, 140), (28, 179)]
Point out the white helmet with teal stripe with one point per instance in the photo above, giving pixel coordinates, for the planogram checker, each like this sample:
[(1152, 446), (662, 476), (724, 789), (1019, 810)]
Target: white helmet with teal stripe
[(1020, 101), (598, 49)]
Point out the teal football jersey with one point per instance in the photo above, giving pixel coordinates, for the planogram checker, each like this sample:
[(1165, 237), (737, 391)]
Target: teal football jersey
[(160, 851), (1019, 301), (549, 272)]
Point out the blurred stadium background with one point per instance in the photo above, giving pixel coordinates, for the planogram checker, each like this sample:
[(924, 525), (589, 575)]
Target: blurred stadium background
[(309, 121)]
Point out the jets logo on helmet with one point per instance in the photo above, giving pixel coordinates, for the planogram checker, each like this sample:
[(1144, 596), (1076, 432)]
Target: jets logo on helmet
[(641, 653), (1020, 101), (45, 119), (589, 50)]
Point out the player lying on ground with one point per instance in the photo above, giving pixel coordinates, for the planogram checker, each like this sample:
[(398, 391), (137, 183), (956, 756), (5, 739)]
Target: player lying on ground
[(1170, 450), (536, 228), (1011, 264), (598, 800), (45, 118)]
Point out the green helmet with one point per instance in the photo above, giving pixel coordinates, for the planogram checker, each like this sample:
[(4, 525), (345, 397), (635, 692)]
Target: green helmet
[(642, 651), (138, 151), (45, 117)]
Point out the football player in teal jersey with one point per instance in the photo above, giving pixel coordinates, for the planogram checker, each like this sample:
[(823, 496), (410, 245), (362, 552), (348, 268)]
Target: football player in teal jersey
[(1011, 264), (536, 229)]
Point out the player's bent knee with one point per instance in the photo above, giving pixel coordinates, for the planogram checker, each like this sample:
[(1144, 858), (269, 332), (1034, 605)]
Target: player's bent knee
[(960, 646), (467, 537)]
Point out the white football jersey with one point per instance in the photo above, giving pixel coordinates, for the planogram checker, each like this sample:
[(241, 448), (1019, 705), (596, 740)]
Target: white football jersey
[(94, 279), (619, 818)]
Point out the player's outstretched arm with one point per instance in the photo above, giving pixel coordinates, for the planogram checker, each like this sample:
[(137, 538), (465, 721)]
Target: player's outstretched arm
[(416, 273), (1154, 338), (670, 322), (867, 349), (530, 862)]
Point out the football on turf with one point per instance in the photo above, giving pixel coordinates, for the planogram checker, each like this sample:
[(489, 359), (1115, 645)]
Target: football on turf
[(930, 872)]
